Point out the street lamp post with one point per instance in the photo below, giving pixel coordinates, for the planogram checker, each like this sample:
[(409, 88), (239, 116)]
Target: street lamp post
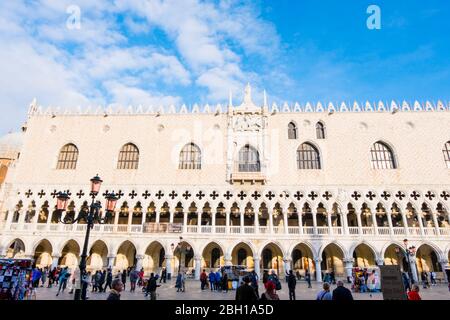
[(93, 217), (180, 248)]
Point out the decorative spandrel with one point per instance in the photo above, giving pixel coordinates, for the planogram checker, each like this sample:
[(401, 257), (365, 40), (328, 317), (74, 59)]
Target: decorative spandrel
[(247, 123)]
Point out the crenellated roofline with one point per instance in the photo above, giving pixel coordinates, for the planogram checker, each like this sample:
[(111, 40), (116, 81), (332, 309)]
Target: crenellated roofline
[(380, 106)]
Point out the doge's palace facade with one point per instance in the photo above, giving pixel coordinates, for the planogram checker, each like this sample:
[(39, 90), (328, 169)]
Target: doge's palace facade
[(303, 187)]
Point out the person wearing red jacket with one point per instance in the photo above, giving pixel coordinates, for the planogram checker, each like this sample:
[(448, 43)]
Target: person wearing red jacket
[(414, 293)]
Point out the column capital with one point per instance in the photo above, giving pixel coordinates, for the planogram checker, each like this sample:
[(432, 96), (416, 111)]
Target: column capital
[(349, 260), (287, 259), (318, 260), (198, 257), (380, 262), (168, 256), (56, 255), (111, 256), (256, 258), (140, 256), (443, 261)]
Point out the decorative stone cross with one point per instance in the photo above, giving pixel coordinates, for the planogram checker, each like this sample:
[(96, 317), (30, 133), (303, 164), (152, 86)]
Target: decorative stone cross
[(430, 195), (173, 195), (242, 195), (270, 195), (256, 195), (313, 195), (133, 194), (370, 195), (445, 195), (201, 195), (400, 195), (355, 195), (327, 195), (146, 194), (41, 194), (385, 195), (228, 195), (29, 193), (298, 195), (187, 195), (214, 195), (80, 194), (415, 195), (54, 194), (160, 195), (120, 194)]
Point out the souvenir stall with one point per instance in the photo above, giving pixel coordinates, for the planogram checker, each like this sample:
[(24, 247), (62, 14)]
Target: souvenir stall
[(15, 278)]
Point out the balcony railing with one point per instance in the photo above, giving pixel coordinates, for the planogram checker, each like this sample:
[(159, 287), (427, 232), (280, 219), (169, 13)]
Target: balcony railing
[(157, 228)]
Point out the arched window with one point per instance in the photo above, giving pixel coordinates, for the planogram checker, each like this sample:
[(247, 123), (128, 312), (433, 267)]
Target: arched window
[(68, 157), (292, 131), (382, 156), (190, 157), (308, 157), (320, 130), (249, 160), (128, 157), (446, 152)]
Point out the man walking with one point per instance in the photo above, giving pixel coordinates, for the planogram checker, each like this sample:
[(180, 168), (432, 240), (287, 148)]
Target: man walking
[(63, 276), (151, 286), (134, 276), (308, 278), (163, 275), (203, 278), (341, 293), (292, 282), (109, 279), (245, 292)]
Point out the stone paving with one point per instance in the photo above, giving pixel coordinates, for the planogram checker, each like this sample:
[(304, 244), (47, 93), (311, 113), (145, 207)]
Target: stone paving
[(168, 292)]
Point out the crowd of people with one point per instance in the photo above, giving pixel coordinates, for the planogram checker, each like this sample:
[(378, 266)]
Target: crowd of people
[(362, 281)]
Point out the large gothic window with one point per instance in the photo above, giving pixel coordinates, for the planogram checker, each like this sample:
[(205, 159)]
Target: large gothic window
[(128, 157), (308, 157), (249, 160), (320, 130), (68, 157), (292, 131), (190, 157), (446, 152), (382, 156)]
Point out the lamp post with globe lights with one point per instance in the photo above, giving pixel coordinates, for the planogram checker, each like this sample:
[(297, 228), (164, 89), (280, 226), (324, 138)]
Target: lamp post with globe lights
[(93, 217)]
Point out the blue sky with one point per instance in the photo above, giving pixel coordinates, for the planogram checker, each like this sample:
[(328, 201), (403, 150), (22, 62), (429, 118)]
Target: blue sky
[(155, 52)]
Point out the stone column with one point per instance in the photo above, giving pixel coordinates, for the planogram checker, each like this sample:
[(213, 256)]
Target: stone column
[(344, 223), (286, 223), (314, 216), (318, 269), (241, 220), (379, 261), (358, 219), (256, 221), (436, 223), (228, 260), (391, 226), (197, 265), (55, 260), (185, 221), (111, 261), (271, 222), (330, 229), (419, 218), (257, 268), (139, 259), (405, 222), (444, 265), (21, 221), (374, 221), (227, 222), (158, 216), (169, 259), (213, 221), (300, 221), (348, 263)]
